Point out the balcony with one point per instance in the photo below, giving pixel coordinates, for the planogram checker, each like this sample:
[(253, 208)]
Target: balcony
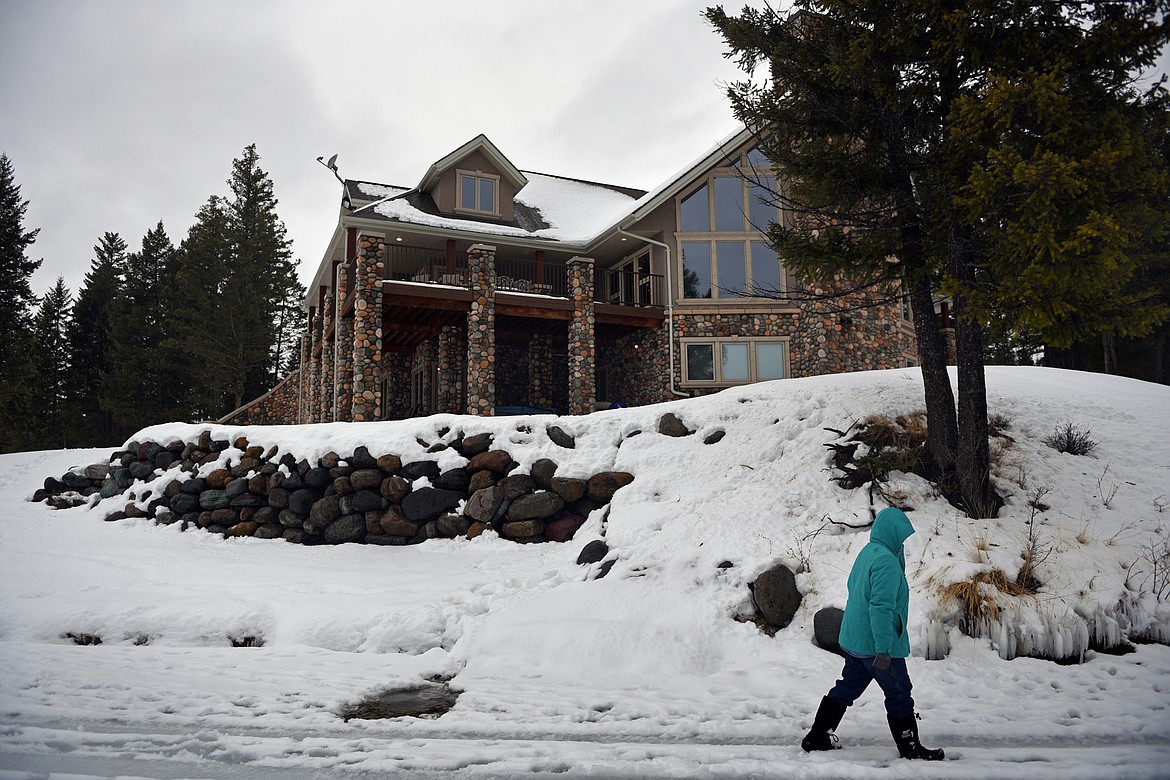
[(537, 277)]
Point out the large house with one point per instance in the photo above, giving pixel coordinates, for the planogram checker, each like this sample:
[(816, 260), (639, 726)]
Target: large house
[(485, 289)]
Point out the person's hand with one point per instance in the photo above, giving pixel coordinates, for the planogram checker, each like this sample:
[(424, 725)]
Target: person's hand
[(881, 661)]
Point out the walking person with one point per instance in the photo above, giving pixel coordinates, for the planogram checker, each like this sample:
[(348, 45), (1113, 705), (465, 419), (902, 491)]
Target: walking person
[(875, 640)]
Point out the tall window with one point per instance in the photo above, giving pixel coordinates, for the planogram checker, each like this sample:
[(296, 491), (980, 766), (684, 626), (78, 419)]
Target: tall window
[(478, 193), (720, 233)]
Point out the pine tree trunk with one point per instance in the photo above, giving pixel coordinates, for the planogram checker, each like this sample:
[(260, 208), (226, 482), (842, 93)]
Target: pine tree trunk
[(942, 425), (973, 461), (1109, 353)]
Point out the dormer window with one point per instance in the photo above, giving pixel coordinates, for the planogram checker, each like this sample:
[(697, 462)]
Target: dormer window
[(479, 193)]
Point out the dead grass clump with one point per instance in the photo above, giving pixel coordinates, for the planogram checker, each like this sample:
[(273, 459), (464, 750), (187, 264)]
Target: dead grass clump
[(978, 595)]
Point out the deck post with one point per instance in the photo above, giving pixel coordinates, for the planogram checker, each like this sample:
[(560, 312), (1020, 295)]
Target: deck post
[(313, 380), (452, 364), (481, 331), (582, 343), (325, 399), (342, 352), (367, 327)]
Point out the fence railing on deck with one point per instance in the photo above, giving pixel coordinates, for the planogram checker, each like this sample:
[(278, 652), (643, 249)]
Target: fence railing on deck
[(628, 288), (542, 277)]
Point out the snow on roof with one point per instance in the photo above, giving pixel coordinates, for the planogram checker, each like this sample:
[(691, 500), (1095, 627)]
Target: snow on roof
[(574, 211)]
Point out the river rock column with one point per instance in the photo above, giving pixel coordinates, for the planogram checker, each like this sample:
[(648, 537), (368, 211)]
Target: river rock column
[(325, 395), (540, 370), (313, 397), (367, 327), (582, 345), (303, 379), (481, 331), (452, 363), (342, 353)]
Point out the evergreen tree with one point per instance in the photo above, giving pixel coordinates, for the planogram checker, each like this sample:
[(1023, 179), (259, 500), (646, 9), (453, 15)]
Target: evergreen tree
[(237, 279), (50, 334), (16, 269), (90, 343), (964, 139), (136, 386)]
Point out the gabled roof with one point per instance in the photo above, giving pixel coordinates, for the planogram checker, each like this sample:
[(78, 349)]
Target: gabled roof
[(478, 144), (681, 180)]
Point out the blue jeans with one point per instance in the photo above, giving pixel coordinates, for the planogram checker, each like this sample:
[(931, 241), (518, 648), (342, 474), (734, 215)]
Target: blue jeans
[(894, 682)]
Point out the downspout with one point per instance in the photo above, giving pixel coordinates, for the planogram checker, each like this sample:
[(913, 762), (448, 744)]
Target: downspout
[(669, 306)]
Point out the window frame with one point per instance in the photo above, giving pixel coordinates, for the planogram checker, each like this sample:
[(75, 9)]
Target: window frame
[(738, 168), (717, 364), (478, 176)]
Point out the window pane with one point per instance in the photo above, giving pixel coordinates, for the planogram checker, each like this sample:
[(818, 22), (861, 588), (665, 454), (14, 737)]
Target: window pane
[(700, 362), (696, 269), (728, 204), (756, 158), (487, 195), (734, 362), (695, 218), (769, 360), (732, 269), (467, 192), (765, 269), (762, 211)]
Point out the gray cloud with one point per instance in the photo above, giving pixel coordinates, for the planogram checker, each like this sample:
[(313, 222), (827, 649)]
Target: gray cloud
[(125, 113)]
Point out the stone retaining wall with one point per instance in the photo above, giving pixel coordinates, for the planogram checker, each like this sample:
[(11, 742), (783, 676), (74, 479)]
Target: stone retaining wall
[(237, 489)]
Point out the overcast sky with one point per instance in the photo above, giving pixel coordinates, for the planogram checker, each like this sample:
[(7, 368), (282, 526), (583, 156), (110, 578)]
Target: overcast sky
[(119, 114)]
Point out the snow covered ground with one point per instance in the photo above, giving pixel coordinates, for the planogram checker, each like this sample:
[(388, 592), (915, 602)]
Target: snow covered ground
[(645, 673)]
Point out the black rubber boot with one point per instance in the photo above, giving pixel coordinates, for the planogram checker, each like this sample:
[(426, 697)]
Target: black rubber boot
[(905, 731), (821, 736)]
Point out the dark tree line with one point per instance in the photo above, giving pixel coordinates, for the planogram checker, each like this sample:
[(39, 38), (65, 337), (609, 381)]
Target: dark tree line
[(1003, 153), (187, 332)]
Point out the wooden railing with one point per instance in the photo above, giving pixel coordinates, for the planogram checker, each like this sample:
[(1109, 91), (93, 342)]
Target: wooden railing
[(541, 277)]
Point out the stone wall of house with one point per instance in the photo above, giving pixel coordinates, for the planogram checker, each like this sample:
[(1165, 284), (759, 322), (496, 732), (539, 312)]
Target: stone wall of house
[(279, 406), (512, 374), (396, 398), (481, 331), (636, 367), (238, 489), (367, 323)]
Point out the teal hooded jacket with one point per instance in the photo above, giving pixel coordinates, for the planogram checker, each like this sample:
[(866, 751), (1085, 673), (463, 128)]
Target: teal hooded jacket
[(877, 611)]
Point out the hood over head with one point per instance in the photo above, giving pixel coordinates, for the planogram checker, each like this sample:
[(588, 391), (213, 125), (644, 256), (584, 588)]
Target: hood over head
[(891, 528)]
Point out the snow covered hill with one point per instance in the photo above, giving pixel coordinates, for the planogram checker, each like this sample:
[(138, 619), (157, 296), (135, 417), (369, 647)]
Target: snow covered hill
[(652, 671)]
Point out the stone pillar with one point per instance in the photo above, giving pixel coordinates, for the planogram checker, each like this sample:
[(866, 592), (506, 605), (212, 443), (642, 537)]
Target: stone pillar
[(452, 363), (481, 331), (540, 370), (325, 396), (367, 327), (303, 379), (314, 396), (582, 344), (342, 353)]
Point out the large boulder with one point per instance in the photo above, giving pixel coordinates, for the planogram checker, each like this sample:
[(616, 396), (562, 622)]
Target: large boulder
[(365, 479), (420, 468), (670, 425), (474, 445), (542, 471), (395, 488), (497, 462), (323, 513), (602, 486), (484, 504), (535, 506), (301, 501), (562, 527), (428, 503), (517, 485), (395, 523), (776, 596), (347, 528), (453, 479), (593, 552), (827, 629), (569, 488), (558, 436)]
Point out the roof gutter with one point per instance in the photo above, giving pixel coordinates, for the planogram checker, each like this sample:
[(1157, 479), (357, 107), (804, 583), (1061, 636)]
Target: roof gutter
[(669, 306)]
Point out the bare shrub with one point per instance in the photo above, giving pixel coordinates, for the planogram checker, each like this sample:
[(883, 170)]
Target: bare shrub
[(1072, 439), (978, 599)]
